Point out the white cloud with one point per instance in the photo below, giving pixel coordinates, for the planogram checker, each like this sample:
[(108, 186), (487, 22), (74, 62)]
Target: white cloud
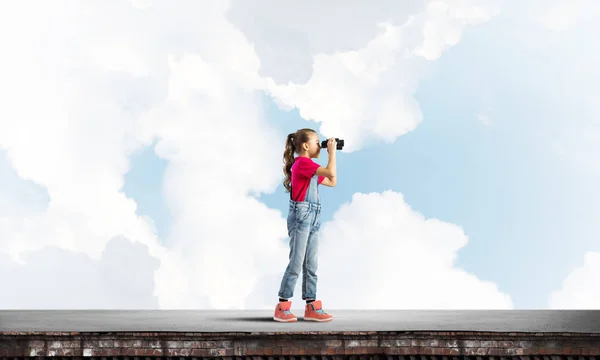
[(363, 90), (18, 197), (78, 108), (55, 278), (358, 96), (561, 15), (81, 97), (209, 131), (444, 21), (378, 253), (580, 289), (65, 128), (394, 257), (287, 34)]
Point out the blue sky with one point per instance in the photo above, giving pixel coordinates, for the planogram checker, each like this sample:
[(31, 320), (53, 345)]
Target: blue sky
[(500, 182), (506, 151)]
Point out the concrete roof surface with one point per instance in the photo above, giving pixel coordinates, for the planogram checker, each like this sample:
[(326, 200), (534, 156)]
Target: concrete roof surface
[(587, 321)]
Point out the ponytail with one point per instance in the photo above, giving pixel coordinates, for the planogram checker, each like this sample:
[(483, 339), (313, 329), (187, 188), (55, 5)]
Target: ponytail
[(288, 160), (294, 141)]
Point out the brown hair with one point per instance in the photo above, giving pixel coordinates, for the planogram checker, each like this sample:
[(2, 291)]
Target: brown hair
[(292, 145)]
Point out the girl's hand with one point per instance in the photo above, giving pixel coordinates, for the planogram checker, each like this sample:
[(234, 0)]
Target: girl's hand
[(331, 145)]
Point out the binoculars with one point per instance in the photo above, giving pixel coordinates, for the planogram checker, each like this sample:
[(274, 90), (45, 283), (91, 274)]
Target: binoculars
[(339, 144)]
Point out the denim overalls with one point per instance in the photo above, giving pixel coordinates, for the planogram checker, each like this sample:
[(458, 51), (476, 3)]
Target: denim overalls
[(303, 224)]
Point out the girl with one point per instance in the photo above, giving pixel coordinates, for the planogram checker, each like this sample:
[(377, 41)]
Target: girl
[(302, 177)]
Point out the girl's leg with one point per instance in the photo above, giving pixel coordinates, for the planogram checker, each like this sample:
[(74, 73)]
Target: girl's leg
[(298, 244), (310, 265)]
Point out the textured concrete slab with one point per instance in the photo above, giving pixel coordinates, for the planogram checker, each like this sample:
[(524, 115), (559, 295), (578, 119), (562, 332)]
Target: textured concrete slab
[(261, 321)]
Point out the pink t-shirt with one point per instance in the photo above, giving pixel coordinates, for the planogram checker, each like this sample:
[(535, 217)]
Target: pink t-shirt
[(303, 170)]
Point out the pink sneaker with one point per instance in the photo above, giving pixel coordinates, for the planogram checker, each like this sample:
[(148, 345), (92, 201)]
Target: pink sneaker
[(314, 312), (283, 313)]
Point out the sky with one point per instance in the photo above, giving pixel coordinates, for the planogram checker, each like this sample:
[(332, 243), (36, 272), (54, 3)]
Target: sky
[(141, 152)]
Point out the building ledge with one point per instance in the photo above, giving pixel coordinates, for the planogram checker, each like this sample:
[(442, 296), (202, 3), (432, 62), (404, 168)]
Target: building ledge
[(447, 335)]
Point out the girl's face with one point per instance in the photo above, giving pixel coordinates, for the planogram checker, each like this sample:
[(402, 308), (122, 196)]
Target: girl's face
[(314, 147)]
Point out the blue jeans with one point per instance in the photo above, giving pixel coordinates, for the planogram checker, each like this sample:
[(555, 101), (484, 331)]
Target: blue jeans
[(303, 229)]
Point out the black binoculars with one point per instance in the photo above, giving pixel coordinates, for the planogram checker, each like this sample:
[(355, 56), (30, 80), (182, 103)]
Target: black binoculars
[(339, 144)]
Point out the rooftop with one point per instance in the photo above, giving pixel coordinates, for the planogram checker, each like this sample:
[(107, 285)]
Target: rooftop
[(256, 321)]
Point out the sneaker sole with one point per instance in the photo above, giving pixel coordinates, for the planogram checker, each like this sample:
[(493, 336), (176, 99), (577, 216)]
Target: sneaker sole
[(284, 320), (318, 320)]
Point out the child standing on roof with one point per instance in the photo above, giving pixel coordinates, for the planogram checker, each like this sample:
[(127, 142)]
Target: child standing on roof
[(302, 179)]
